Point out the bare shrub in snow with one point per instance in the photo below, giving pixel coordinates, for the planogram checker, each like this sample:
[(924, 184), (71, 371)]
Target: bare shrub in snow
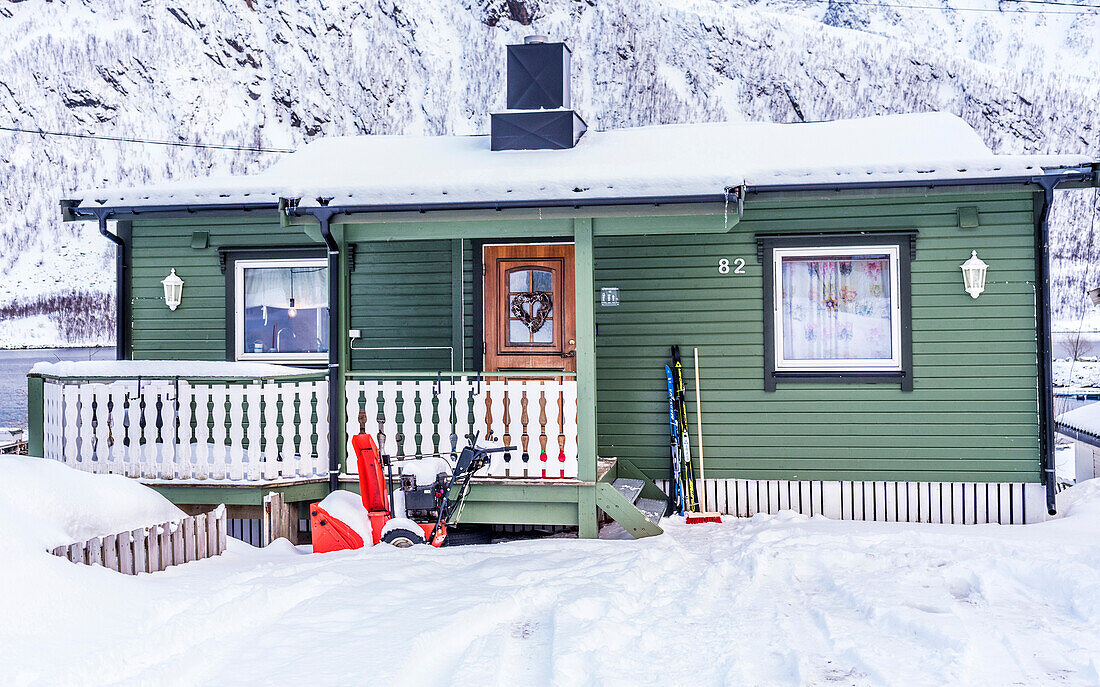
[(80, 316)]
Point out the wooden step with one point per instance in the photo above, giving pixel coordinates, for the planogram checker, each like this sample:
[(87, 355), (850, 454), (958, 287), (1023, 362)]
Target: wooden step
[(652, 509), (631, 489)]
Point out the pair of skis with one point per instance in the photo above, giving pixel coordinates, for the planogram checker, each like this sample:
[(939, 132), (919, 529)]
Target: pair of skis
[(681, 472)]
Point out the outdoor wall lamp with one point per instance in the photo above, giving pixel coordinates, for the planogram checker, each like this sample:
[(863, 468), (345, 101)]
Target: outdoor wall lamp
[(173, 290), (974, 274)]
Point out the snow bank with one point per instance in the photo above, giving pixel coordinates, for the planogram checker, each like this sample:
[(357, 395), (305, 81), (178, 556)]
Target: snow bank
[(44, 504), (165, 368), (678, 159), (781, 600), (40, 331), (1071, 374), (347, 507)]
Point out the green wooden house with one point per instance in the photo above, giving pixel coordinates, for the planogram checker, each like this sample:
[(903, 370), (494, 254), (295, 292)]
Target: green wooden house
[(529, 284)]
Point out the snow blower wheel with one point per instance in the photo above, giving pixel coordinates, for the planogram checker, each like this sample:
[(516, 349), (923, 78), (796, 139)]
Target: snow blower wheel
[(403, 538)]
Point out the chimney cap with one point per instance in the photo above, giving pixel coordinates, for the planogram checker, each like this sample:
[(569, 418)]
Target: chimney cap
[(536, 38)]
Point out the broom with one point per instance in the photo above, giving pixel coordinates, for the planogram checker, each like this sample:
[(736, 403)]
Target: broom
[(708, 516)]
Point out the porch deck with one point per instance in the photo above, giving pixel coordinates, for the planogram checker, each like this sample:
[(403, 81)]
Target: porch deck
[(212, 440)]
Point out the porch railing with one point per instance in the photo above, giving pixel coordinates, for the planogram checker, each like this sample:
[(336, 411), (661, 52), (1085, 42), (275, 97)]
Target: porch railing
[(434, 414), (179, 429)]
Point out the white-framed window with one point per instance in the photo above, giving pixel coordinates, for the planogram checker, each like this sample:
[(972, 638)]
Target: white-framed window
[(281, 310), (837, 308)]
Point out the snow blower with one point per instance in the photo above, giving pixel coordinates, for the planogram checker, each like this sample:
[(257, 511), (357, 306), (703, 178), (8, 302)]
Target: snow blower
[(430, 499)]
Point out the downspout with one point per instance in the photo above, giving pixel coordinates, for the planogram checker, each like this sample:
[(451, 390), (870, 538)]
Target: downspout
[(324, 215), (120, 275), (1042, 326)]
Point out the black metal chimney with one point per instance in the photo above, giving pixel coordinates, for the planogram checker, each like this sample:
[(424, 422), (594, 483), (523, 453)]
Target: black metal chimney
[(539, 115)]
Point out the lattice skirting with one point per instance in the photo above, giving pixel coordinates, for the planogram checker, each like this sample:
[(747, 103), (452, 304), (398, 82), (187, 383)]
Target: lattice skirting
[(962, 503)]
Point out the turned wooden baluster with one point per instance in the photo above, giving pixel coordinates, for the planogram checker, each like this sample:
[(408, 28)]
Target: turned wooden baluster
[(380, 408), (400, 415), (524, 438), (436, 445), (542, 429), (454, 421), (418, 420), (561, 431), (488, 414), (507, 434)]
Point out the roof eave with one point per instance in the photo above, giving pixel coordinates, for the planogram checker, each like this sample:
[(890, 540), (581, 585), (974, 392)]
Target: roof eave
[(1075, 177)]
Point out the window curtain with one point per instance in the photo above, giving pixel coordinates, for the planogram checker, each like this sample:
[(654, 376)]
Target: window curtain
[(836, 307), (275, 286)]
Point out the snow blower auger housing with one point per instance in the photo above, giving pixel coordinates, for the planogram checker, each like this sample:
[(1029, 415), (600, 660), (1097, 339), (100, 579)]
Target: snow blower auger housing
[(431, 499)]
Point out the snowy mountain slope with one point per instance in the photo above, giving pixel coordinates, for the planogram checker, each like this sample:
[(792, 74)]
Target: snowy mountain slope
[(257, 73)]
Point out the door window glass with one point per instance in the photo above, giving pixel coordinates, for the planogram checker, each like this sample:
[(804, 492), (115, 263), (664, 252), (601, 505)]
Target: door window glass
[(530, 307)]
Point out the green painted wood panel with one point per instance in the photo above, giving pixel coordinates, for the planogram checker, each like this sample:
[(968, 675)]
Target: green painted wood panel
[(401, 298), (972, 413), (196, 329)]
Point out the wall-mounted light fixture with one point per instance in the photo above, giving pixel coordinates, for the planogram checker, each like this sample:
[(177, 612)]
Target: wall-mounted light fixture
[(173, 290), (974, 274)]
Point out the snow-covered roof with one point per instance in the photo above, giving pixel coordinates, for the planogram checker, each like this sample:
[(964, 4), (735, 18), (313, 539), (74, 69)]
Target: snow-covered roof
[(1084, 419), (197, 369), (668, 160)]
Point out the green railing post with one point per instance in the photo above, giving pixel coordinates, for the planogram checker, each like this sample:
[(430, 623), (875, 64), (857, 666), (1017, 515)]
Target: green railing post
[(586, 375), (34, 415)]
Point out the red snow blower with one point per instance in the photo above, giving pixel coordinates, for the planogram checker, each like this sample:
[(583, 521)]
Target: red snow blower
[(430, 502)]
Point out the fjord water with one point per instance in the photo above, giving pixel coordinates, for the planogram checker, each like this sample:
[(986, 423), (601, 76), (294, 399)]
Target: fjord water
[(14, 365)]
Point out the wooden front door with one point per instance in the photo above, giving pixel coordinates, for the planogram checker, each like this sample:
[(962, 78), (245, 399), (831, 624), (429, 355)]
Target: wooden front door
[(529, 308)]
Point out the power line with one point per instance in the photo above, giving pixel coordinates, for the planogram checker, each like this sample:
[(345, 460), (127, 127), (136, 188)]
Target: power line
[(1053, 2), (1082, 9), (147, 141)]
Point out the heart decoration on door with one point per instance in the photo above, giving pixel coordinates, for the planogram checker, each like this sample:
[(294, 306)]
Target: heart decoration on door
[(543, 306)]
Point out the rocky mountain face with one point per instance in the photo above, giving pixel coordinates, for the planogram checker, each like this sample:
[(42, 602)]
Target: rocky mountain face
[(266, 74)]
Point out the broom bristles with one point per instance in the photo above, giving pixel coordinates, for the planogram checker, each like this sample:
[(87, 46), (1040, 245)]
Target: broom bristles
[(697, 518)]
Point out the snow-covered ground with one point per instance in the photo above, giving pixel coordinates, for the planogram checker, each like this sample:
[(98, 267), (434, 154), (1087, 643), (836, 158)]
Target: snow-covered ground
[(1077, 374), (41, 331), (771, 600)]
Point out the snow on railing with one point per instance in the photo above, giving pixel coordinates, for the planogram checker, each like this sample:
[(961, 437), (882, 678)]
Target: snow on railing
[(177, 429), (412, 417), (154, 548)]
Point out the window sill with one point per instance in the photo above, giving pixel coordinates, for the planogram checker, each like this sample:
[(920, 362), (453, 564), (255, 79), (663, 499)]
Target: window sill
[(839, 377)]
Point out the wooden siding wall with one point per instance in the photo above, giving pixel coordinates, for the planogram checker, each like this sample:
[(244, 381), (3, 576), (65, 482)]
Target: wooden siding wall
[(196, 330), (401, 295), (971, 417)]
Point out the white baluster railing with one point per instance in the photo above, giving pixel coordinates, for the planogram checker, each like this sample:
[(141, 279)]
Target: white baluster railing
[(537, 415), (239, 431)]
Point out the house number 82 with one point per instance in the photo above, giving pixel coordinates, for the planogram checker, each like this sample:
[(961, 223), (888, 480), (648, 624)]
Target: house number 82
[(738, 266)]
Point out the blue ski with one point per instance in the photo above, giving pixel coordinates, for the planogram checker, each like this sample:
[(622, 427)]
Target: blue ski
[(676, 484)]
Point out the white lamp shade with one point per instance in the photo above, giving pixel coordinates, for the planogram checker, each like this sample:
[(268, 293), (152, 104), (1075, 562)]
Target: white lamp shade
[(974, 274), (173, 290)]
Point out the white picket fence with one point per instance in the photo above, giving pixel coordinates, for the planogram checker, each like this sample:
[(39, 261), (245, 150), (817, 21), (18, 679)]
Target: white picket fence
[(434, 416), (188, 430), (151, 549), (931, 502)]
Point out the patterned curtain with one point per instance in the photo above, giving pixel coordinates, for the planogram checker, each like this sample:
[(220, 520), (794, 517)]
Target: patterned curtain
[(836, 307)]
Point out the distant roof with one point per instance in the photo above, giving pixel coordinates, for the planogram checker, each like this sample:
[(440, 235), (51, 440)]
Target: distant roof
[(1084, 420), (644, 162)]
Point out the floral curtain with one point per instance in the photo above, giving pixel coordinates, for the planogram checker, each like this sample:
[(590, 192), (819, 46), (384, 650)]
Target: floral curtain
[(836, 307)]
